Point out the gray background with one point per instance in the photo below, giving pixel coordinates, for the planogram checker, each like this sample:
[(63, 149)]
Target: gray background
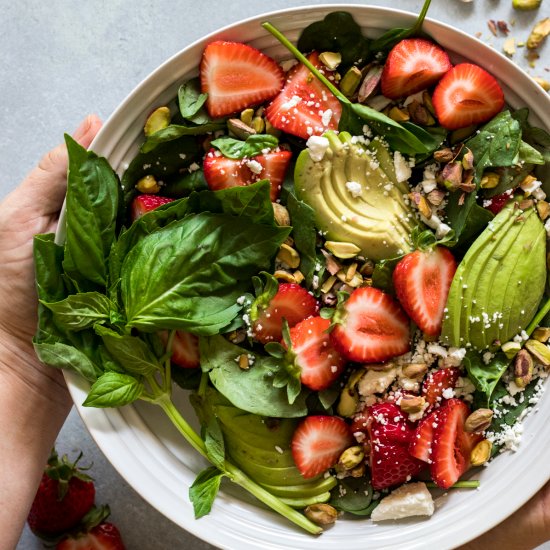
[(61, 59)]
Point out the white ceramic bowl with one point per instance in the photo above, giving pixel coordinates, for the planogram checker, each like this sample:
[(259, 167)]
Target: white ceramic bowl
[(154, 459)]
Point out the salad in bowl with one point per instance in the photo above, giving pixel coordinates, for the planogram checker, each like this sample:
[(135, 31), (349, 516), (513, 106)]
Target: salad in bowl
[(340, 253)]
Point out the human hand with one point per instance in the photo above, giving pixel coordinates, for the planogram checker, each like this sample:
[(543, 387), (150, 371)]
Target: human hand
[(525, 529), (31, 208)]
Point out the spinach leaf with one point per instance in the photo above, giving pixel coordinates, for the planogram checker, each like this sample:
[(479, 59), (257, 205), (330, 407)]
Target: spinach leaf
[(114, 389), (188, 379), (353, 495), (80, 311), (510, 178), (337, 32), (390, 38), (188, 275), (176, 131), (382, 276), (237, 149), (251, 390), (92, 209), (467, 220), (191, 102), (203, 491), (528, 154), (183, 186), (485, 377), (133, 354)]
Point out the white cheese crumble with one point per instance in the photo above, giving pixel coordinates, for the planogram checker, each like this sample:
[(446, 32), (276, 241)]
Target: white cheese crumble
[(354, 188), (402, 169), (317, 147), (376, 381), (255, 166), (412, 499)]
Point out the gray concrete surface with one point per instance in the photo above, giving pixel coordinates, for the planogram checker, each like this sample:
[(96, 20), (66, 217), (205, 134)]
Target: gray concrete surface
[(60, 60)]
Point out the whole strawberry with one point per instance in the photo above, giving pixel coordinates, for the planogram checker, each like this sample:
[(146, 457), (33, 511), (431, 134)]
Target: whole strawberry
[(63, 498), (104, 536)]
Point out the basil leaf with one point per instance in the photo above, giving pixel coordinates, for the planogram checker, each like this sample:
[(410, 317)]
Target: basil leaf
[(63, 356), (176, 131), (183, 186), (204, 490), (188, 275), (131, 352), (113, 389), (467, 220), (92, 209), (485, 377), (191, 101), (80, 311), (254, 145), (251, 390)]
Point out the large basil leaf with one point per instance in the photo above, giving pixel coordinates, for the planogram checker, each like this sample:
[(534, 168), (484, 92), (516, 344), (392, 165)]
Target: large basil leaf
[(254, 145), (204, 489), (191, 101), (251, 390), (92, 208), (176, 131), (184, 185), (188, 275), (80, 311), (113, 389)]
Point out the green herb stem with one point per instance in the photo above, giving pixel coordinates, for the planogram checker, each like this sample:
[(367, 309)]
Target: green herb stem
[(421, 16), (472, 484), (234, 473), (538, 317)]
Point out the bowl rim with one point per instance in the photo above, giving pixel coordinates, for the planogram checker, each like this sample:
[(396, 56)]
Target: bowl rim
[(104, 424)]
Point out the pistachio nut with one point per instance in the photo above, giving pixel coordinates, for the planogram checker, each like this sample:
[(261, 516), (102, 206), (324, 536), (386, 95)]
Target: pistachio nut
[(490, 180), (412, 404), (331, 264), (523, 368), (350, 81), (420, 114), (328, 284), (539, 351), (342, 250), (543, 83), (369, 84), (246, 116), (543, 208), (347, 405), (367, 268), (298, 276), (351, 271), (288, 256), (237, 336), (436, 197), (510, 349), (468, 159), (415, 371), (481, 453), (351, 457), (427, 101), (399, 115), (330, 60), (540, 31), (157, 120), (478, 421), (243, 361), (258, 124), (239, 129), (282, 275), (282, 217), (148, 184), (355, 281), (542, 334), (451, 175), (321, 514), (444, 155), (525, 204), (358, 471)]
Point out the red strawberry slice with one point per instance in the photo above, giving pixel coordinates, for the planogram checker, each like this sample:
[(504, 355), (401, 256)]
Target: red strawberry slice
[(221, 172), (291, 302), (390, 435), (413, 65), (421, 444), (370, 327), (422, 280), (104, 536), (236, 76), (466, 95), (185, 350), (318, 442), (145, 203), (498, 202), (305, 107), (452, 446), (319, 362), (437, 382)]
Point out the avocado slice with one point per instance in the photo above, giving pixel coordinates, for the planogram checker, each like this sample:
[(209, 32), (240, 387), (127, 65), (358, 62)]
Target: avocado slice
[(356, 196)]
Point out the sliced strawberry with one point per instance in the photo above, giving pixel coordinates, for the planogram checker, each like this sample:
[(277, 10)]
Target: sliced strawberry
[(437, 382), (413, 65), (370, 327), (498, 202), (422, 280), (390, 435), (185, 350), (466, 95), (318, 442), (104, 536), (319, 362), (221, 172), (421, 444), (236, 76), (145, 203), (452, 446), (305, 107), (291, 302)]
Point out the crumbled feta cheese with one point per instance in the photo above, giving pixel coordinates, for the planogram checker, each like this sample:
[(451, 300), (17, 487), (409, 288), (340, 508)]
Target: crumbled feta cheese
[(325, 117), (317, 147), (376, 381), (402, 169), (255, 166), (412, 499), (354, 188), (292, 102)]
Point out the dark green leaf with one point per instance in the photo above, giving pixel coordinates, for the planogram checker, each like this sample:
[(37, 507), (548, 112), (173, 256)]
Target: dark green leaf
[(328, 397), (211, 431), (254, 145), (204, 490), (528, 154), (485, 377), (113, 389), (352, 495), (48, 258), (191, 100), (80, 311), (183, 186), (189, 275), (188, 379), (176, 131), (467, 220), (383, 273)]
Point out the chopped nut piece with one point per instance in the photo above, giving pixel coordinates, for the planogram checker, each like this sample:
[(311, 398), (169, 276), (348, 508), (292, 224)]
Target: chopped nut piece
[(358, 471), (331, 264), (237, 336), (544, 84), (427, 101), (342, 250), (355, 281), (503, 27), (540, 31), (350, 81), (330, 60), (451, 175), (284, 276), (328, 284), (148, 184), (525, 204), (510, 349), (399, 115), (523, 368), (367, 268), (351, 457), (468, 159), (298, 276), (415, 371), (281, 215), (247, 115), (492, 26), (542, 334), (243, 361), (526, 4), (420, 114), (444, 155), (347, 406), (490, 180), (157, 120), (288, 256), (509, 47), (321, 514), (411, 404), (239, 129), (350, 272), (478, 421), (481, 453), (258, 124), (369, 84), (539, 351)]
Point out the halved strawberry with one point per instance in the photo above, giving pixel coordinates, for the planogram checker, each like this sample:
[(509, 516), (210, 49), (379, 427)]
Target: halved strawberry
[(291, 302), (236, 76), (221, 172), (498, 202), (318, 442), (413, 65), (421, 443), (185, 350), (305, 107), (437, 382), (370, 327), (145, 203), (466, 95), (422, 280), (320, 364), (390, 435), (452, 446)]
